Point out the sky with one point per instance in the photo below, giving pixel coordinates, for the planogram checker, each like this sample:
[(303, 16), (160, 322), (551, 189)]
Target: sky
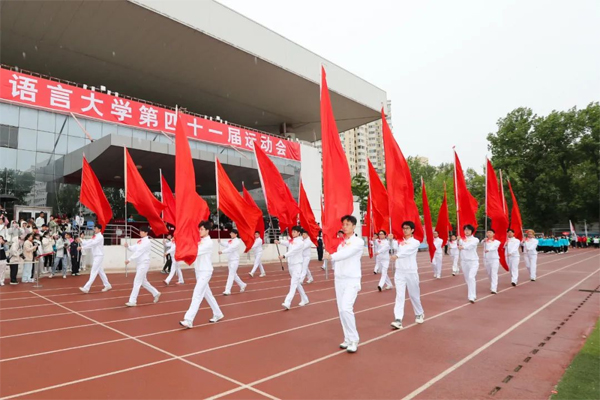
[(451, 68)]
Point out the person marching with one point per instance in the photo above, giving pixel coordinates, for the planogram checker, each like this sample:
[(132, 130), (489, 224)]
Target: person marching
[(168, 259), (453, 246), (96, 245), (175, 265), (203, 268), (294, 258), (258, 249), (141, 255), (438, 243), (407, 275), (347, 274), (307, 244), (530, 249), (232, 248), (382, 261), (469, 261), (492, 259), (512, 256), (375, 245)]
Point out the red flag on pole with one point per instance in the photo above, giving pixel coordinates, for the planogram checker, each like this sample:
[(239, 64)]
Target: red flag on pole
[(400, 188), (428, 223), (168, 202), (337, 183), (236, 208), (504, 206), (495, 211), (380, 207), (516, 224), (92, 196), (443, 226), (260, 226), (466, 205), (138, 194), (307, 217)]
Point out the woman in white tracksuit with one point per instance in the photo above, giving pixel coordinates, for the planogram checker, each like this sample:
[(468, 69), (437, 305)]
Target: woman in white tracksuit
[(294, 258), (232, 249), (258, 249), (454, 254), (469, 261), (530, 245), (513, 257), (382, 261), (306, 252), (438, 243), (175, 265), (491, 259)]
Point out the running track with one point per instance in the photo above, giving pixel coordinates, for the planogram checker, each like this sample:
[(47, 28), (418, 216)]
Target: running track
[(56, 342)]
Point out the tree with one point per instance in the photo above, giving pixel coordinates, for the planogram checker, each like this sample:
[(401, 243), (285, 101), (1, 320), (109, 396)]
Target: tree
[(360, 188), (16, 183)]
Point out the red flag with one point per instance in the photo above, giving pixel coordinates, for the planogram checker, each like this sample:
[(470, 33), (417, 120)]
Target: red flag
[(443, 226), (235, 207), (168, 202), (260, 226), (466, 205), (428, 223), (369, 225), (400, 188), (190, 209), (516, 224), (380, 207), (278, 197), (92, 196), (337, 184), (138, 194), (307, 217), (495, 211), (504, 206)]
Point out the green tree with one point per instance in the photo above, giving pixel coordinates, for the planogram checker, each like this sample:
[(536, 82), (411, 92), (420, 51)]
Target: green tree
[(360, 188), (16, 183)]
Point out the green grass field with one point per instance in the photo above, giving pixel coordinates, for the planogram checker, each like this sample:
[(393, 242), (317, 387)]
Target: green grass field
[(582, 378)]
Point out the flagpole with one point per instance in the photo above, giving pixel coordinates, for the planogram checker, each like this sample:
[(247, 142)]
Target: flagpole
[(456, 197), (486, 193), (218, 214), (125, 181), (502, 191), (162, 212)]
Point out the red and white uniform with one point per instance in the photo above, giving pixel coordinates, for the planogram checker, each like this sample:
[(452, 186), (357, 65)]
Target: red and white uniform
[(306, 252), (258, 250), (530, 250), (232, 249), (437, 257), (513, 257), (469, 261), (454, 254), (141, 255), (407, 276), (175, 266), (294, 258), (96, 245), (492, 261), (382, 263)]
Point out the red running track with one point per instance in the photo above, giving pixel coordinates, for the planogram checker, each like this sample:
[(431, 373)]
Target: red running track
[(57, 343)]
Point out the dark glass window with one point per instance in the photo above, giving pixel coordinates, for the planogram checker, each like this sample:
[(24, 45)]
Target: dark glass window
[(9, 136)]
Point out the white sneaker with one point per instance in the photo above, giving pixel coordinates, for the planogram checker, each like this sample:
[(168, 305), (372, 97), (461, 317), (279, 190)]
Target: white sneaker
[(226, 293), (311, 280), (397, 324), (243, 288), (419, 319), (216, 318), (84, 290), (64, 277), (262, 275), (388, 288), (166, 283), (51, 276), (352, 347), (251, 274), (130, 304), (156, 298), (285, 306), (344, 345), (106, 288), (303, 303), (185, 324)]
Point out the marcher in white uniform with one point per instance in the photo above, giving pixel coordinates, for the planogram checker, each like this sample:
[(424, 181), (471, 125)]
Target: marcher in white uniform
[(306, 252), (530, 245), (382, 261), (340, 237), (375, 245), (204, 269), (407, 275), (347, 280), (96, 245), (232, 247), (175, 265), (294, 258), (438, 243), (258, 249), (141, 255), (453, 246), (469, 260), (491, 259), (513, 257)]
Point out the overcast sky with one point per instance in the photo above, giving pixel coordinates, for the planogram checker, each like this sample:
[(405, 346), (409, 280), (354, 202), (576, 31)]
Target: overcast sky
[(451, 68)]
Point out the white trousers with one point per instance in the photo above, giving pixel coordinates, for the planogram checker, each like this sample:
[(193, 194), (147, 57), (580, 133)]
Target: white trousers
[(346, 290), (469, 269), (376, 269), (175, 268), (454, 257), (305, 271), (531, 263), (491, 267), (295, 285), (3, 267), (141, 280), (383, 265), (407, 280), (202, 291), (233, 276), (513, 266), (437, 264), (257, 263), (97, 269)]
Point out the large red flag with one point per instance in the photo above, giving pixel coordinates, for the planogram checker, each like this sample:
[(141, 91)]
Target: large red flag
[(504, 206), (466, 205), (235, 207), (168, 201), (278, 197), (92, 196), (380, 207), (307, 217), (516, 224), (443, 226), (138, 194), (190, 209), (337, 183), (495, 211), (400, 188), (428, 223), (260, 226)]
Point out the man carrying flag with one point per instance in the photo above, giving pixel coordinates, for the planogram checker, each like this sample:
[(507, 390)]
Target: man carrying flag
[(96, 245), (469, 260), (232, 249), (492, 259), (438, 243), (513, 257), (294, 258), (258, 249), (141, 255)]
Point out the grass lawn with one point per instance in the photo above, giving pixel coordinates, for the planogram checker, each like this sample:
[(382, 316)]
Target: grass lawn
[(582, 378)]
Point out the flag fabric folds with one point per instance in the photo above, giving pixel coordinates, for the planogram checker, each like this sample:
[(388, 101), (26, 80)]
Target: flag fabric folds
[(443, 226), (495, 211), (337, 183), (168, 202), (428, 222), (260, 225), (380, 209), (138, 194), (516, 224), (307, 217), (92, 196), (466, 206)]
